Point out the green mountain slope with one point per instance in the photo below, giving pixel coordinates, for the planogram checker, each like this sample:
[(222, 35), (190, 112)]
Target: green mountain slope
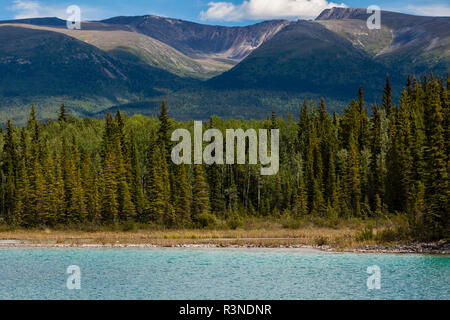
[(307, 58), (133, 47), (42, 66), (135, 62)]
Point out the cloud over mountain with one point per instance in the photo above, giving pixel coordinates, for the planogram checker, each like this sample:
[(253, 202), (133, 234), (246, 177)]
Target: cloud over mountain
[(24, 9), (266, 9), (436, 10)]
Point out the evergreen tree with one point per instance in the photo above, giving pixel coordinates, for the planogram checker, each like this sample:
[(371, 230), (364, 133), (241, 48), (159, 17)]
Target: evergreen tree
[(394, 161), (22, 212), (108, 186), (436, 182), (76, 209), (9, 169), (50, 205), (125, 203), (182, 203), (200, 195), (137, 193), (300, 202), (62, 117), (159, 208), (216, 193), (58, 190), (376, 161), (120, 127), (393, 193), (387, 97), (90, 187), (37, 194), (164, 133), (353, 179), (32, 119)]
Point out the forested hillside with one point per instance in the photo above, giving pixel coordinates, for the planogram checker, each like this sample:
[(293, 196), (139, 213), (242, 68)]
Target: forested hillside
[(201, 70), (371, 161)]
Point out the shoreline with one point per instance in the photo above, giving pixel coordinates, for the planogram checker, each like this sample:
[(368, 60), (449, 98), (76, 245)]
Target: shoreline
[(344, 239), (439, 248)]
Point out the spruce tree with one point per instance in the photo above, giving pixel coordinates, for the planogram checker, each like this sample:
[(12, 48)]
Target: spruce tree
[(77, 208), (200, 195), (300, 202), (352, 178), (158, 188), (125, 203), (137, 193), (32, 119), (387, 97), (9, 167), (50, 205), (182, 193), (58, 190), (164, 133), (376, 161), (215, 175), (62, 117), (37, 194), (436, 183), (108, 186), (89, 183), (22, 214)]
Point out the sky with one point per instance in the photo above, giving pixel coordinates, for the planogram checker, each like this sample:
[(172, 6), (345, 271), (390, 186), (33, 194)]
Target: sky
[(218, 12)]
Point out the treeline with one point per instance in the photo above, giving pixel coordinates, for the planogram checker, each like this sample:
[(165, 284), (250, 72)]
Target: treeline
[(393, 159)]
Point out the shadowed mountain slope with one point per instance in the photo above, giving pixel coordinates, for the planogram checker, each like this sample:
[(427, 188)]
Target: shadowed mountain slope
[(135, 62), (306, 57)]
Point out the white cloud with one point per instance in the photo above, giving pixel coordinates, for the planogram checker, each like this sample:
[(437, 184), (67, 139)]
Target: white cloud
[(435, 10), (33, 9), (266, 9), (24, 9)]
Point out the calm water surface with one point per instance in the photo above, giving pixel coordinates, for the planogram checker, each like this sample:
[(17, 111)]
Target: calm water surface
[(219, 274)]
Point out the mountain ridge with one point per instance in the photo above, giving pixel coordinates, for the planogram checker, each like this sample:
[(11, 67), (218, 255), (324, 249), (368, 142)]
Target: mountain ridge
[(297, 56), (203, 69), (200, 40), (417, 43)]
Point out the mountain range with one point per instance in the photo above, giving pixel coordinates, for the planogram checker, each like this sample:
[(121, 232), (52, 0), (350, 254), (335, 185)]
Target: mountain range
[(200, 70)]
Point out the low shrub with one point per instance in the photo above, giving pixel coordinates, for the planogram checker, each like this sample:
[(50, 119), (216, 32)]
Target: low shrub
[(321, 241), (206, 220), (129, 225), (235, 222), (366, 234), (293, 223)]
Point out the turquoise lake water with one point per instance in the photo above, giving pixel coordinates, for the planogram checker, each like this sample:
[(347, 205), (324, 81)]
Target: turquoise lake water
[(219, 274)]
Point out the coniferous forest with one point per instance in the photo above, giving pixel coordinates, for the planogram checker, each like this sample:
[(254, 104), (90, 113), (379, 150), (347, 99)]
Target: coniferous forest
[(371, 161)]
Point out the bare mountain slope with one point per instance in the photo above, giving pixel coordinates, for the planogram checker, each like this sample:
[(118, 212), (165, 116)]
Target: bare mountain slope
[(132, 46), (203, 41), (408, 43), (184, 48), (135, 62)]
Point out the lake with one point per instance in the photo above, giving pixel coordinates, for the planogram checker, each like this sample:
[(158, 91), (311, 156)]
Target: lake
[(219, 274)]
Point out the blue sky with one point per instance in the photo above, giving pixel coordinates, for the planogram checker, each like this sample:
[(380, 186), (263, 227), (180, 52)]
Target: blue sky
[(223, 12)]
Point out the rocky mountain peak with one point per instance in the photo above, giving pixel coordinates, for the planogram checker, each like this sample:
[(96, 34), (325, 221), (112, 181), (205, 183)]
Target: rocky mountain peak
[(342, 13)]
